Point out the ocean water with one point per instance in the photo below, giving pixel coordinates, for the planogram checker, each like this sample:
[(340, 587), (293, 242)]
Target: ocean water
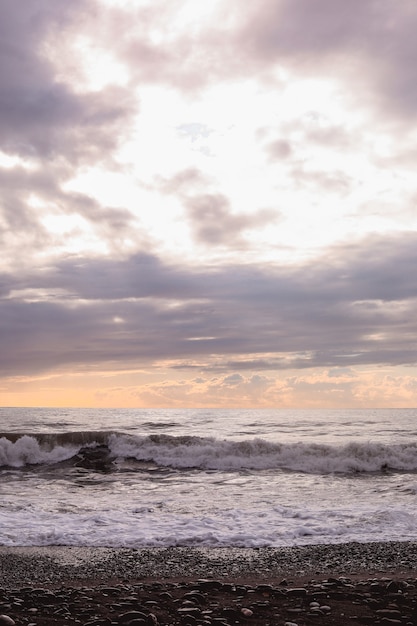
[(248, 478)]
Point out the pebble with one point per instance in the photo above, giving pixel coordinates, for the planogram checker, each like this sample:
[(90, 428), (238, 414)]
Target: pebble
[(130, 616), (211, 602), (299, 592), (246, 612)]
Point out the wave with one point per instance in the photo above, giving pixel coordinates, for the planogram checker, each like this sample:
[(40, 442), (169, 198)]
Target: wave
[(106, 450), (259, 454), (19, 450)]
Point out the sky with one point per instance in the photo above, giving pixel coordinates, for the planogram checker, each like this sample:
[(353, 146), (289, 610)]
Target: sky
[(208, 204)]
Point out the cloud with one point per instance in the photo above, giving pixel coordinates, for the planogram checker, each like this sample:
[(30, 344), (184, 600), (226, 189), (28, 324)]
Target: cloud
[(353, 307), (183, 182), (38, 215), (147, 138), (213, 222), (367, 44), (217, 391), (161, 44), (54, 127), (210, 215), (279, 149), (314, 389), (330, 181), (232, 380), (303, 27), (41, 115), (369, 47)]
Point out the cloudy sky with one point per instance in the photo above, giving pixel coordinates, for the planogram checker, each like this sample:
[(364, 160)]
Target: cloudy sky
[(208, 204)]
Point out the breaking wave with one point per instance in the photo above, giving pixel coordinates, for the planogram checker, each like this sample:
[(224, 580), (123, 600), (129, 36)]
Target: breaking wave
[(206, 453)]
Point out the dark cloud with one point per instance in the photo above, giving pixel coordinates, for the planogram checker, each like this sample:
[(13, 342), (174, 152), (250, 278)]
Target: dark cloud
[(278, 28), (140, 276), (45, 120), (213, 222), (370, 44), (354, 306), (41, 115), (111, 222)]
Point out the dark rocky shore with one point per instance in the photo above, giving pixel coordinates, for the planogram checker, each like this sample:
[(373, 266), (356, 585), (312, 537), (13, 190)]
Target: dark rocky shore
[(335, 585)]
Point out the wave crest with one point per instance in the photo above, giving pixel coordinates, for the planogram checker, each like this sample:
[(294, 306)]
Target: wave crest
[(259, 454), (206, 453)]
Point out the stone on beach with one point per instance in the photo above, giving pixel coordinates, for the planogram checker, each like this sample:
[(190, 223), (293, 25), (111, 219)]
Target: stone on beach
[(353, 600), (157, 587)]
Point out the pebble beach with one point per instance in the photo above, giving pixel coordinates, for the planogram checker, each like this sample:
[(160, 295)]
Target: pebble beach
[(341, 584)]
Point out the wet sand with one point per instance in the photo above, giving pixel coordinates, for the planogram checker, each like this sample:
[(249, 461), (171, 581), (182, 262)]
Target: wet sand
[(334, 584)]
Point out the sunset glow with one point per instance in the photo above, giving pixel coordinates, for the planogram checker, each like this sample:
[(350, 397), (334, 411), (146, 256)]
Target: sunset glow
[(208, 205)]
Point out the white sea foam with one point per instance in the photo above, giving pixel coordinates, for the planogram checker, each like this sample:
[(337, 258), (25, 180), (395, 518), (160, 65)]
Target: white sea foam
[(27, 451), (207, 453), (278, 527), (259, 454)]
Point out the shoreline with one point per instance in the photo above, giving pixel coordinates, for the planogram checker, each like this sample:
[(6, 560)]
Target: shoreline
[(53, 565), (336, 585)]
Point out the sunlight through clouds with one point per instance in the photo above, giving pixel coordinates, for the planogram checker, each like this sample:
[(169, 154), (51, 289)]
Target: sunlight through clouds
[(195, 195)]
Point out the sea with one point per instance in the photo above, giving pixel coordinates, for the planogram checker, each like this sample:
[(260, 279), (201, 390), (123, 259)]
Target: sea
[(138, 478)]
